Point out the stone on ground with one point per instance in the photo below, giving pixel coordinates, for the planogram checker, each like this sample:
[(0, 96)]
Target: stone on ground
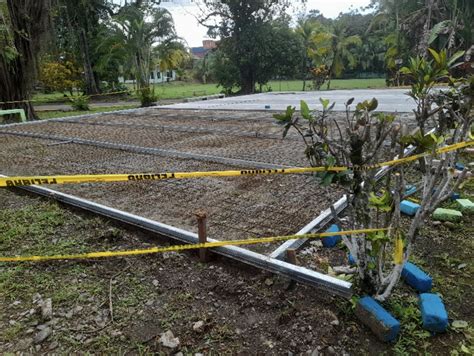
[(168, 340), (416, 278), (380, 321), (42, 335), (198, 326), (447, 215), (465, 205), (433, 313), (409, 208), (47, 309)]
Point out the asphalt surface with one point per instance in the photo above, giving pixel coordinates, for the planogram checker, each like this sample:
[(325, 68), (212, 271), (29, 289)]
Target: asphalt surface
[(390, 100)]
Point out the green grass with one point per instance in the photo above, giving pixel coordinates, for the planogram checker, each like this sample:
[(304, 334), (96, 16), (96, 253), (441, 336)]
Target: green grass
[(180, 90), (297, 85), (48, 98), (54, 114)]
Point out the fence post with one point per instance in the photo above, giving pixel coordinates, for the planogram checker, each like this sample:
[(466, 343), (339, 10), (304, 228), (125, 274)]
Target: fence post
[(202, 234)]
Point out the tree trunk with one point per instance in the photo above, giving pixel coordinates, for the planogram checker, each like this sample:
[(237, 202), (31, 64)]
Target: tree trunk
[(89, 78), (28, 22), (423, 46), (248, 83)]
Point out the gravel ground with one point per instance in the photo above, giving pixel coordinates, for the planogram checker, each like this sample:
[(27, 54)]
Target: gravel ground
[(236, 207)]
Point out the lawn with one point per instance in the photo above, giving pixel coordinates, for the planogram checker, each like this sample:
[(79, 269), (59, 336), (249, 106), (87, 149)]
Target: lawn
[(55, 114), (180, 90)]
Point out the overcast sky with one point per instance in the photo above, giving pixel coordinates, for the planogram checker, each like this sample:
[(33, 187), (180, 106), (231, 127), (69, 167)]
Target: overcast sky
[(189, 29)]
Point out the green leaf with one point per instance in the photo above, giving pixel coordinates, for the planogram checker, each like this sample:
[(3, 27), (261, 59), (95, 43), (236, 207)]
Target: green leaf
[(455, 57), (324, 102), (330, 161), (305, 112), (327, 179), (435, 55)]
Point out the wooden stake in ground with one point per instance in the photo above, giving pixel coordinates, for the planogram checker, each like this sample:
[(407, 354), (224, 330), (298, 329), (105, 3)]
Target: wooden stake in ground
[(202, 234), (291, 256)]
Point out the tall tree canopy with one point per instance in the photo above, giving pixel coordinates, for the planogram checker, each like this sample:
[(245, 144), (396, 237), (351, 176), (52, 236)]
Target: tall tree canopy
[(78, 25), (246, 37)]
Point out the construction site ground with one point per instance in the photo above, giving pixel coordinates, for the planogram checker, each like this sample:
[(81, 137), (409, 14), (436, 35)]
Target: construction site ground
[(124, 305)]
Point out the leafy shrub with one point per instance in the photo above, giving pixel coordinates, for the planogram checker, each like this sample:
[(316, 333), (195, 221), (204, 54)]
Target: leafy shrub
[(62, 77), (147, 96), (80, 102)]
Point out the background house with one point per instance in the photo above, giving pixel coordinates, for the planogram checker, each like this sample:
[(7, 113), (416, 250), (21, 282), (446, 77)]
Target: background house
[(156, 77), (200, 52)]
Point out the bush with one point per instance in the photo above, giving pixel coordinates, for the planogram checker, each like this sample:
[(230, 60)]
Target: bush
[(62, 77), (147, 96), (80, 102), (375, 202)]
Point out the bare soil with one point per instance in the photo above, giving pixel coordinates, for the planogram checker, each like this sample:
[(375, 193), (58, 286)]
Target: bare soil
[(243, 310)]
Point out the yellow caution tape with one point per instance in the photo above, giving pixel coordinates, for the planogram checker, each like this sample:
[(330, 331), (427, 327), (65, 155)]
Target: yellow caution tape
[(175, 248), (102, 178), (398, 253)]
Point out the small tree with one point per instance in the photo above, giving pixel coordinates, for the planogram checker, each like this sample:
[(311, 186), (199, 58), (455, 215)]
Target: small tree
[(62, 77), (364, 140)]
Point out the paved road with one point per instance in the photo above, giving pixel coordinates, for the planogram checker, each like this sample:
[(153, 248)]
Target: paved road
[(391, 100)]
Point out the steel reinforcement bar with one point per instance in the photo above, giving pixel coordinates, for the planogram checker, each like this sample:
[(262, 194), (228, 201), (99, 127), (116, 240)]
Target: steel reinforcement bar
[(300, 274), (148, 150), (187, 129)]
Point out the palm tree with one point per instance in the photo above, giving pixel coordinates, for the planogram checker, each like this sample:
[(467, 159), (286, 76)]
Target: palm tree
[(341, 54), (138, 28), (171, 54), (306, 30)]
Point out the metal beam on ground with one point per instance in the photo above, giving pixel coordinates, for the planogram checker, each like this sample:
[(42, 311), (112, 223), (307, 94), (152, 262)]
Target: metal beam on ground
[(300, 274), (316, 225), (150, 150)]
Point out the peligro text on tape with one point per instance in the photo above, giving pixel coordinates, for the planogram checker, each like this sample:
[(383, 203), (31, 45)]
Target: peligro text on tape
[(98, 178), (154, 250)]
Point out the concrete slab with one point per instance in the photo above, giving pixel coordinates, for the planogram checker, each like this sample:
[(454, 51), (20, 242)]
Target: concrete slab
[(390, 100)]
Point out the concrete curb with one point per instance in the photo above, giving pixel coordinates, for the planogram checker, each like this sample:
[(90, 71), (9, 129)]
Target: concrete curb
[(433, 313), (416, 278), (379, 320), (409, 208), (447, 215)]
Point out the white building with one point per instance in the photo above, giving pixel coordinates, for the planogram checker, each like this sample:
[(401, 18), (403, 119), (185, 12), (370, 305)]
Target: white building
[(156, 77)]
